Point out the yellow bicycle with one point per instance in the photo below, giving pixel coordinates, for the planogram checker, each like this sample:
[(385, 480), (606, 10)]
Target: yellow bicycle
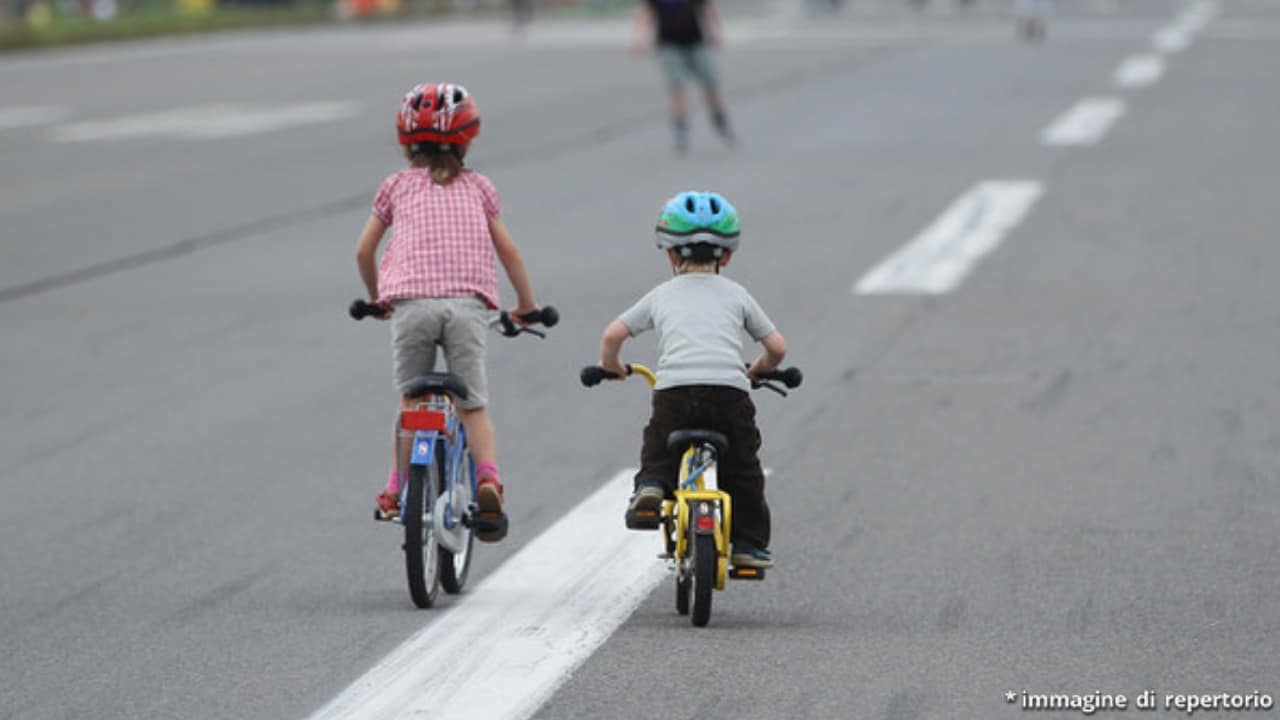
[(697, 522)]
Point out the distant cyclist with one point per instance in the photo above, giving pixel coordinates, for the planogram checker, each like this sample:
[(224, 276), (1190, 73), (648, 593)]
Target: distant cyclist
[(700, 317), (683, 30), (438, 277)]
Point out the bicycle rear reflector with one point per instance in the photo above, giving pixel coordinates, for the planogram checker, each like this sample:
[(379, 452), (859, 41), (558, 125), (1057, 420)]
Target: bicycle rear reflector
[(422, 420), (705, 522)]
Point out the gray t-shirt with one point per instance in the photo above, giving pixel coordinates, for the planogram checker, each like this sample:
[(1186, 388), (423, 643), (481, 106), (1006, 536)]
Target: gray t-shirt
[(700, 318)]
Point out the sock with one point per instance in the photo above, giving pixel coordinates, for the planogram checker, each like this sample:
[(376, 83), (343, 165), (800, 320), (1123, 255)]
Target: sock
[(487, 470), (393, 482)]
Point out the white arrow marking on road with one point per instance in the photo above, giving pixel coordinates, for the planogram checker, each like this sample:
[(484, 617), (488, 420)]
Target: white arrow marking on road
[(1139, 71), (207, 122), (940, 257), (501, 651), (1084, 124), (17, 117)]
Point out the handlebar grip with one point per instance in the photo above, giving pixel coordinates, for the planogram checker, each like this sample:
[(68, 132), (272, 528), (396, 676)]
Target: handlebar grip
[(548, 316), (592, 375), (791, 377), (361, 309)]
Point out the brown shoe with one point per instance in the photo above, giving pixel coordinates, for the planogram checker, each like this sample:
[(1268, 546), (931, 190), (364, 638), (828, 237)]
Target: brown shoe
[(489, 496)]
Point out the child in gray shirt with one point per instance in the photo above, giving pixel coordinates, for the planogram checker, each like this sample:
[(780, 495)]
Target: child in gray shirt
[(700, 316)]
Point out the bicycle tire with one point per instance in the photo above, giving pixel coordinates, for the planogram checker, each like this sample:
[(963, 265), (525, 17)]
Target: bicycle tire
[(421, 558), (704, 577), (682, 567), (454, 567), (683, 586)]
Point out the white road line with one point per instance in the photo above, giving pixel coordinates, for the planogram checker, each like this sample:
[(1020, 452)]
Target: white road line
[(1139, 71), (501, 651), (1177, 36), (1084, 124), (1172, 39), (17, 117), (208, 122), (940, 257), (1197, 17)]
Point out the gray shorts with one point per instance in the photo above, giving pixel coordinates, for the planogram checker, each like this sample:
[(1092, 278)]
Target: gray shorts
[(459, 325), (676, 60)]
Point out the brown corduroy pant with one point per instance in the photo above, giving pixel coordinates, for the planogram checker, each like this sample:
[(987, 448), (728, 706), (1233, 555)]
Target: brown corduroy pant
[(725, 410)]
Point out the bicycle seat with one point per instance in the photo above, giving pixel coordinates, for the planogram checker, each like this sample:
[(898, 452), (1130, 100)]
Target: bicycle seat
[(680, 439), (436, 383)]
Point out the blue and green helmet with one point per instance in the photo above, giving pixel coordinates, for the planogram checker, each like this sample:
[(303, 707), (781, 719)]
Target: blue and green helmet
[(698, 217)]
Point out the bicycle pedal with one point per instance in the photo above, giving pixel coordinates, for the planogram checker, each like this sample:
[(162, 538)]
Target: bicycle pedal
[(489, 527), (644, 520), (746, 573)]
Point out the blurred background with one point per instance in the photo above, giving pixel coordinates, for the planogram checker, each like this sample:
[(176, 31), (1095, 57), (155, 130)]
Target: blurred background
[(27, 23)]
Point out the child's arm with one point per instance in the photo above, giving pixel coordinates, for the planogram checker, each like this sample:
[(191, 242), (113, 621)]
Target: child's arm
[(775, 349), (367, 255), (611, 344), (641, 28), (513, 263), (711, 21)]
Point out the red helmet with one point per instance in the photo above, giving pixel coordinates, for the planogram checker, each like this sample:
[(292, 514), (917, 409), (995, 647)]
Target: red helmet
[(442, 113)]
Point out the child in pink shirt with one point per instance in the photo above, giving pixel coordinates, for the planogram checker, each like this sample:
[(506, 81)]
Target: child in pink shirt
[(438, 278)]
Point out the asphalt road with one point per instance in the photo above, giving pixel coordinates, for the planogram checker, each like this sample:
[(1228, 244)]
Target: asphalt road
[(1059, 478)]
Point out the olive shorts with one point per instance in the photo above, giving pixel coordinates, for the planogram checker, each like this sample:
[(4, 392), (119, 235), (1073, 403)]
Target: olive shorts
[(459, 325)]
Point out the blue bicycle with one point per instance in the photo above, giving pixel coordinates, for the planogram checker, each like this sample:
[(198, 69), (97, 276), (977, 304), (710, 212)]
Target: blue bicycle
[(437, 509)]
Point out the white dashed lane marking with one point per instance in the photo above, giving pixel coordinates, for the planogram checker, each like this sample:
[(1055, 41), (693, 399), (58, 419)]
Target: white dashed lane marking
[(1086, 123), (1139, 71), (943, 254), (1177, 36)]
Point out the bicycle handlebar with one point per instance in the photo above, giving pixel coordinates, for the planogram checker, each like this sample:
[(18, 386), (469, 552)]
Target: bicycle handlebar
[(593, 375), (361, 309), (547, 317), (791, 377)]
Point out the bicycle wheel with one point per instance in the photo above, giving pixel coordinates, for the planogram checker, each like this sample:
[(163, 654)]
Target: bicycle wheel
[(455, 566), (683, 585), (421, 559), (704, 577)]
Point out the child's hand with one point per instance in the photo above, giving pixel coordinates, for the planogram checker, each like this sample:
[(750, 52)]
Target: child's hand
[(518, 312), (757, 368), (618, 370)]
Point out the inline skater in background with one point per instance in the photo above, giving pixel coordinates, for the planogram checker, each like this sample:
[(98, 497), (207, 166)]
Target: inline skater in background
[(682, 31)]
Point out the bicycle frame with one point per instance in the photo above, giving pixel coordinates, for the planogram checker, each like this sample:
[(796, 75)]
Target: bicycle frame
[(436, 426), (697, 464)]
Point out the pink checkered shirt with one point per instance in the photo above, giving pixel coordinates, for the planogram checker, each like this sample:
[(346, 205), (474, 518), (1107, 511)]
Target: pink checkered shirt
[(440, 242)]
